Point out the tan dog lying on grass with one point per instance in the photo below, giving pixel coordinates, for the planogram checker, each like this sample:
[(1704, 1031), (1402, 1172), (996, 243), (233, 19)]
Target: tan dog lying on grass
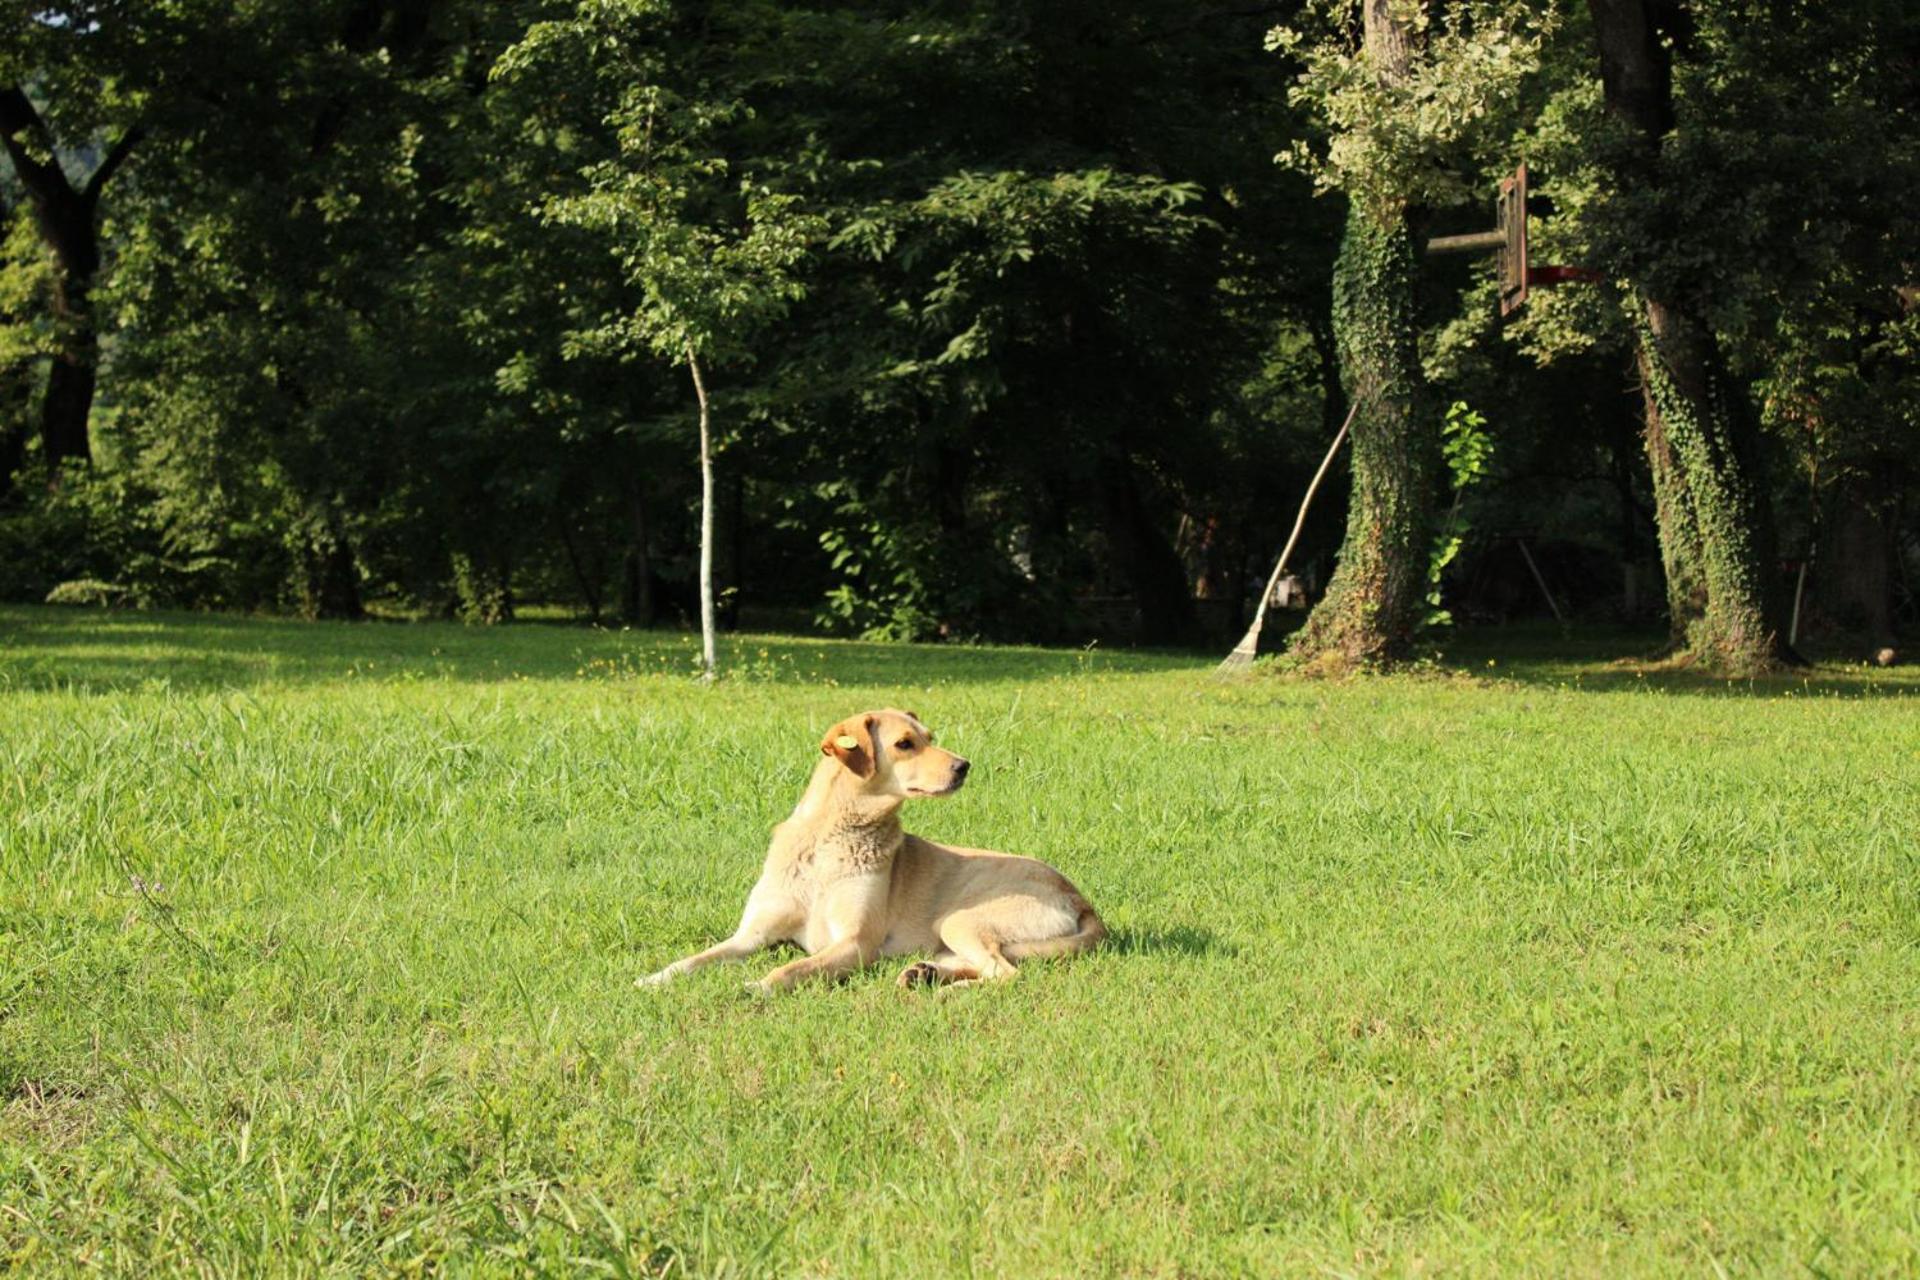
[(848, 885)]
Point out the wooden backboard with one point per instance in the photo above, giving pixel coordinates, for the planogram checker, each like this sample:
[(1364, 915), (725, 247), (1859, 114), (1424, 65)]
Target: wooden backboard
[(1511, 219)]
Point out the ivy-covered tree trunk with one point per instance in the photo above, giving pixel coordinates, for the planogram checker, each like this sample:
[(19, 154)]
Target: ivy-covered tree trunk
[(1374, 603), (1673, 517), (1716, 527), (1721, 514)]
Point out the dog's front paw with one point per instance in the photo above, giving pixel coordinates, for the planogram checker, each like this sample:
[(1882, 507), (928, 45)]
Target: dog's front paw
[(923, 974), (659, 979), (758, 991)]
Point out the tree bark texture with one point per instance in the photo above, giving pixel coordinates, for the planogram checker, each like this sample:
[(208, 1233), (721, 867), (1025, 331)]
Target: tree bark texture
[(1673, 517)]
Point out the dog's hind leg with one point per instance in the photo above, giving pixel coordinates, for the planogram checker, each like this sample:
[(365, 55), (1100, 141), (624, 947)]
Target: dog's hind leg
[(1088, 933), (939, 971), (971, 939), (985, 942)]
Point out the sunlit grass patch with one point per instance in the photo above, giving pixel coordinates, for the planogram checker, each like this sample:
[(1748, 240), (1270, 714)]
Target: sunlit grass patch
[(317, 943)]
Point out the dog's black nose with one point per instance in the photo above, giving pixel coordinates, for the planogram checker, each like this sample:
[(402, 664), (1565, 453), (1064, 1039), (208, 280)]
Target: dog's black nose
[(960, 768)]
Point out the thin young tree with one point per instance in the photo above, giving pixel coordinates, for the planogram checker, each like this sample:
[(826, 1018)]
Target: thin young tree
[(712, 253)]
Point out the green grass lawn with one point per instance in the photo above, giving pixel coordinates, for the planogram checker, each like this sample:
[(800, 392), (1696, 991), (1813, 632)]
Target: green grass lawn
[(1552, 969)]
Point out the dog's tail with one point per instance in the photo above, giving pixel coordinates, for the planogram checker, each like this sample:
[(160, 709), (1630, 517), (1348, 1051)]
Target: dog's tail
[(1085, 937)]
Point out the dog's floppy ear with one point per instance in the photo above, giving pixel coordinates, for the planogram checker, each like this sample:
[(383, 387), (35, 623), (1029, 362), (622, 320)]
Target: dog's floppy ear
[(851, 742)]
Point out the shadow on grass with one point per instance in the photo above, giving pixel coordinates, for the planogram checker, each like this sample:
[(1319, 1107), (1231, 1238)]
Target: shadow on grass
[(100, 651), (1179, 939), (1615, 659), (96, 651)]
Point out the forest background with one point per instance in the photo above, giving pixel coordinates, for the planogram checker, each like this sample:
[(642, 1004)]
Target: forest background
[(1018, 322)]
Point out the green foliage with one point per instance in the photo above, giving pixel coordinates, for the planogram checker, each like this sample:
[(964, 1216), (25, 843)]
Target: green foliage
[(1466, 445), (1023, 281), (879, 596), (24, 325), (98, 525), (681, 199), (1468, 448), (1408, 137), (88, 591)]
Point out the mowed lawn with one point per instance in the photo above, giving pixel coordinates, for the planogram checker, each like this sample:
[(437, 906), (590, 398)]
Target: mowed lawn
[(317, 948)]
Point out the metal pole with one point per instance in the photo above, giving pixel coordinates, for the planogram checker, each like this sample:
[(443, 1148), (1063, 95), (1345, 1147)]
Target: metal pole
[(1476, 242)]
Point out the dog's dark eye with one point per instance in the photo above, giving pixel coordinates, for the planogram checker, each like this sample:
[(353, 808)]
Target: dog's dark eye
[(905, 744)]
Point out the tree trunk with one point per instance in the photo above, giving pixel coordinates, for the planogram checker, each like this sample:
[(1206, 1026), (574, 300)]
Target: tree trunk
[(636, 597), (68, 220), (1377, 596), (1673, 515), (1854, 575), (706, 518), (1716, 528), (1145, 558), (68, 403), (1704, 414)]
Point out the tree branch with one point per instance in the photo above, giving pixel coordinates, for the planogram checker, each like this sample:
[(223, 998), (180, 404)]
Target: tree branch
[(116, 157), (17, 112), (17, 116)]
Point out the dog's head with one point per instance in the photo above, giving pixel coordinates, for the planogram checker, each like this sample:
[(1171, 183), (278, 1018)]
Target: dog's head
[(892, 753)]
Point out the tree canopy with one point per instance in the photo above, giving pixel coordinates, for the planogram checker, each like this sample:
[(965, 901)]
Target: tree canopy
[(1013, 322)]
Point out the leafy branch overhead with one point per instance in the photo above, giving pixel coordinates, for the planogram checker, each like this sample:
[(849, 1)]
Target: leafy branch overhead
[(1415, 137), (714, 256)]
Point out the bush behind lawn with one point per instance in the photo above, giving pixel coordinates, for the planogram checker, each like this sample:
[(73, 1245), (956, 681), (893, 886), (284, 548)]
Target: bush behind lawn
[(317, 944)]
